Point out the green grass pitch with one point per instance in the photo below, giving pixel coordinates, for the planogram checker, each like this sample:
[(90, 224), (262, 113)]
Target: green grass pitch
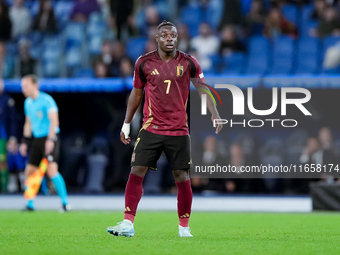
[(48, 232)]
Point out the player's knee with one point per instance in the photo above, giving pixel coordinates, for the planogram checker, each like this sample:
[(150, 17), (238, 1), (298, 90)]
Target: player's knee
[(52, 169), (139, 170), (181, 175)]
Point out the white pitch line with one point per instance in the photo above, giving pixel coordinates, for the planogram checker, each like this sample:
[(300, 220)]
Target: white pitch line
[(167, 203)]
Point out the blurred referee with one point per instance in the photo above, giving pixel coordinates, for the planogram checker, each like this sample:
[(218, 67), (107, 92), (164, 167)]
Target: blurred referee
[(42, 121)]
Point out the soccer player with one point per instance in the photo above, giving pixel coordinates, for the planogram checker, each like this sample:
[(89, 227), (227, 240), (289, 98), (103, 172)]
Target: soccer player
[(42, 121), (165, 75)]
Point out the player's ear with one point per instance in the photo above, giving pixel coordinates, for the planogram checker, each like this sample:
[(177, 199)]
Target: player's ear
[(156, 38)]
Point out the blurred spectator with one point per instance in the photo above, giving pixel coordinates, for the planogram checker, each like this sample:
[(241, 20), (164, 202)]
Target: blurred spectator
[(210, 154), (106, 17), (326, 154), (272, 153), (294, 145), (232, 13), (237, 159), (326, 139), (104, 6), (27, 64), (329, 24), (105, 53), (5, 23), (277, 25), (211, 11), (150, 45), (183, 38), (194, 53), (152, 19), (21, 18), (293, 186), (118, 52), (332, 57), (309, 151), (112, 55), (101, 70), (16, 165), (255, 18), (45, 20), (210, 157), (8, 128), (152, 33), (319, 8), (82, 9), (199, 184), (121, 11), (126, 67), (7, 63), (205, 44), (229, 42), (320, 151)]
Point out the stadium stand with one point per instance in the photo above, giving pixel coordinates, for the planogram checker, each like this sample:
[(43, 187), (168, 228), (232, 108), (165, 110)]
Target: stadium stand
[(283, 56), (290, 12), (234, 63), (308, 56), (78, 43), (258, 56), (135, 47)]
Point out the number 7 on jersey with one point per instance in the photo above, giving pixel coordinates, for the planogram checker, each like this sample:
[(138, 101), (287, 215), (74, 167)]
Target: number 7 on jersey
[(168, 87)]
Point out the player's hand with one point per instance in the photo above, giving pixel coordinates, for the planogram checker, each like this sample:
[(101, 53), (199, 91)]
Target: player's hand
[(219, 126), (49, 146), (124, 135), (123, 139), (23, 149)]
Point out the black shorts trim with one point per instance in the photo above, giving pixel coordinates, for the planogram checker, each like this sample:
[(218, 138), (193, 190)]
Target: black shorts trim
[(149, 147), (37, 150)]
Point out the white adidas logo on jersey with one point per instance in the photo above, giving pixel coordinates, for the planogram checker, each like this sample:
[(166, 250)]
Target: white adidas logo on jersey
[(155, 72)]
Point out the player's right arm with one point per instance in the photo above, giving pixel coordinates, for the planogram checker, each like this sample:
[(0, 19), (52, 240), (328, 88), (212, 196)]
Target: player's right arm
[(135, 99), (26, 137)]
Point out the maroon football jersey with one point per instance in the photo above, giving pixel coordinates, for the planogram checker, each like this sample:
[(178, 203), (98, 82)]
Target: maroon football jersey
[(167, 86)]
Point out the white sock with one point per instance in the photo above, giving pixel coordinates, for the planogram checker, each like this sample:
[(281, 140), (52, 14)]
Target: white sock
[(128, 221)]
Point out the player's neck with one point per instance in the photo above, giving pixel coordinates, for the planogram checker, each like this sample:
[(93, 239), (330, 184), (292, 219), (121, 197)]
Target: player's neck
[(167, 57), (35, 94)]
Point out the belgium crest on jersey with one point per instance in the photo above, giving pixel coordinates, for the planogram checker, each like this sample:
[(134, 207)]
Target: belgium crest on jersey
[(179, 70)]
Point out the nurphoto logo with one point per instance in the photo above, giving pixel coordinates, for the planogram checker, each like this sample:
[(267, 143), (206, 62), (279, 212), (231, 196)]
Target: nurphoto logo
[(239, 105)]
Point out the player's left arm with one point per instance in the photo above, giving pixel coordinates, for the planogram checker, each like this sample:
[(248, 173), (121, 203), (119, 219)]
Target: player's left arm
[(53, 117), (199, 81), (211, 107)]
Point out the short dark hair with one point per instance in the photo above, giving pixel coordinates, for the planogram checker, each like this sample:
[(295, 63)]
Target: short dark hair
[(33, 78), (165, 23)]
